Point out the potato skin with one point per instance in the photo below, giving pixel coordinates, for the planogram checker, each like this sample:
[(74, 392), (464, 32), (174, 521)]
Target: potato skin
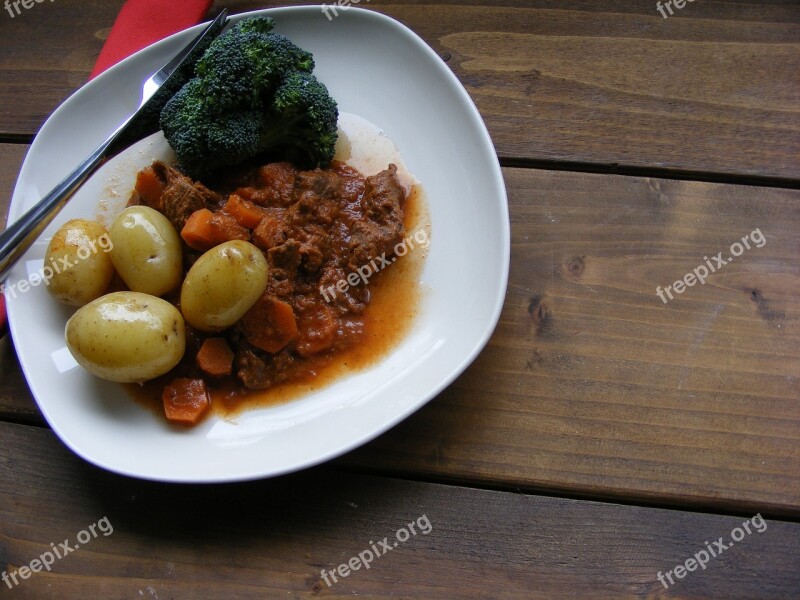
[(127, 337), (78, 257), (147, 250), (223, 284)]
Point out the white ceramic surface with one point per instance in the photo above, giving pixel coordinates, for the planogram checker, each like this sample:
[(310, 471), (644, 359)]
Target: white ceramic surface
[(374, 67)]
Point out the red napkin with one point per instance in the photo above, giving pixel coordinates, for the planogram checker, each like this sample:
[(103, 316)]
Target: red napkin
[(143, 22), (139, 24)]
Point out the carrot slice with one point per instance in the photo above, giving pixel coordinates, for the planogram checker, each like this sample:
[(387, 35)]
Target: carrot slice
[(269, 324), (198, 232), (186, 400), (246, 213), (150, 187), (204, 229), (215, 357), (226, 228), (245, 192)]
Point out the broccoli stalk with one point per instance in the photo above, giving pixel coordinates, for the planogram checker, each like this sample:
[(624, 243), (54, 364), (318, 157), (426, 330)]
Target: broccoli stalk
[(253, 92)]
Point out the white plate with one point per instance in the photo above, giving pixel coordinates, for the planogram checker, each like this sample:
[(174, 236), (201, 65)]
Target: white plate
[(374, 67)]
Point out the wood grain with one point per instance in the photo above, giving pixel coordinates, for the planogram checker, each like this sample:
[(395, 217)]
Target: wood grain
[(591, 385), (11, 156), (272, 538), (709, 92), (16, 402), (46, 53)]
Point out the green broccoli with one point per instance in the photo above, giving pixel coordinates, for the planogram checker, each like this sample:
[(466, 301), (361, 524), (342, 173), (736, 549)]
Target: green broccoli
[(253, 92), (247, 62), (302, 121), (206, 141)]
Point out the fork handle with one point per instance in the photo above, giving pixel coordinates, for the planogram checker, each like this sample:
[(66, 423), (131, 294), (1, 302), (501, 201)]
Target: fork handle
[(19, 236)]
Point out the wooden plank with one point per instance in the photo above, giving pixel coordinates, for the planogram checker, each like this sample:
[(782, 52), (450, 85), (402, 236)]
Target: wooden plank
[(612, 85), (11, 156), (272, 537), (16, 402), (46, 53), (591, 384)]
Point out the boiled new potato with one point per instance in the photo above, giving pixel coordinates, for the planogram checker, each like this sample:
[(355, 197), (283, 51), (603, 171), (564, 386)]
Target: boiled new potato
[(127, 337), (146, 250), (77, 258), (223, 284)]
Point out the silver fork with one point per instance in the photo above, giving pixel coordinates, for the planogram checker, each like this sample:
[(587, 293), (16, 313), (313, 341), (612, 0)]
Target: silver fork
[(19, 236)]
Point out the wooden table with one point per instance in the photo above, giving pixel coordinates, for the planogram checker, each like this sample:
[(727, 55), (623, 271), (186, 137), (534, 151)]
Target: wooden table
[(603, 436)]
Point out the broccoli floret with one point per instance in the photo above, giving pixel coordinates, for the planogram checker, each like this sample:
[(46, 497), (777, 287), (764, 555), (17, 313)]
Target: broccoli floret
[(255, 24), (300, 124), (205, 141), (302, 121), (253, 93), (247, 62)]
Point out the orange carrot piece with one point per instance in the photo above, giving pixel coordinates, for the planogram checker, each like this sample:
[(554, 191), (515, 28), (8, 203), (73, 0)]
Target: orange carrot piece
[(198, 232), (186, 401), (150, 187), (215, 357), (270, 324), (245, 192), (226, 228), (204, 229), (246, 213)]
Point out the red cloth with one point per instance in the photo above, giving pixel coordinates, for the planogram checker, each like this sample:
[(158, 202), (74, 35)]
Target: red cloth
[(143, 22)]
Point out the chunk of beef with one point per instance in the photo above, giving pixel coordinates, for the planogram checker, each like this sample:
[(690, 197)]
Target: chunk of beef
[(274, 186), (257, 372), (318, 184), (272, 230), (344, 299), (182, 196), (382, 228), (317, 194), (285, 257)]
